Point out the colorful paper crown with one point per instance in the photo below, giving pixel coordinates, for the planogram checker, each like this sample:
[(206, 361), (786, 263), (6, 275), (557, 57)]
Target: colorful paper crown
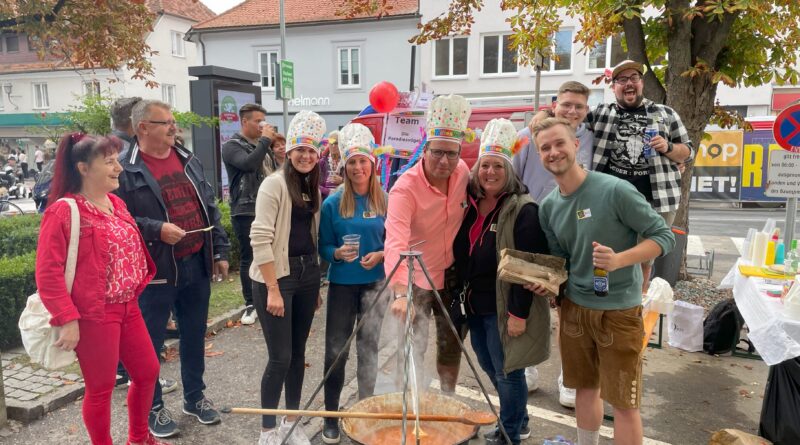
[(447, 118), (499, 138), (356, 140), (306, 130)]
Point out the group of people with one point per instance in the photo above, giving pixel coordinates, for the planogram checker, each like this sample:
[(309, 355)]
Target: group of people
[(583, 187)]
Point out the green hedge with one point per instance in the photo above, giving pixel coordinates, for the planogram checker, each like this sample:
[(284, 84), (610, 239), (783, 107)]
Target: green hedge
[(233, 256), (19, 235), (17, 281)]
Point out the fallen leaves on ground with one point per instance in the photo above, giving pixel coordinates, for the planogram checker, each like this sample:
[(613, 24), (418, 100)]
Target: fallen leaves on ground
[(170, 354)]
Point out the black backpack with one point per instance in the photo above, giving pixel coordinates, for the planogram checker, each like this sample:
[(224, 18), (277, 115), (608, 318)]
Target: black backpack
[(721, 327)]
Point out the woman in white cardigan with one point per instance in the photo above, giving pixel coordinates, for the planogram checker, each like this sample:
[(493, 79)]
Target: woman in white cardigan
[(285, 270)]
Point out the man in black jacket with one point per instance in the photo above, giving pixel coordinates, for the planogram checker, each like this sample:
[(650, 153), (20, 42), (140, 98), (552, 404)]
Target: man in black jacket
[(244, 155), (174, 206)]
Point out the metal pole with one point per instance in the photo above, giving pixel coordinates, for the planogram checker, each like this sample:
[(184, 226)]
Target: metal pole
[(791, 213), (537, 89), (413, 65), (284, 57)]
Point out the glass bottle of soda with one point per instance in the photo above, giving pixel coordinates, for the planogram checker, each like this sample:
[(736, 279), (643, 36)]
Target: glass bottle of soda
[(600, 282)]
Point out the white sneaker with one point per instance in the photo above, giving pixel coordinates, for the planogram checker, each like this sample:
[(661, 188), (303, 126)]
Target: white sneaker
[(271, 437), (249, 315), (566, 396), (532, 378), (298, 436)]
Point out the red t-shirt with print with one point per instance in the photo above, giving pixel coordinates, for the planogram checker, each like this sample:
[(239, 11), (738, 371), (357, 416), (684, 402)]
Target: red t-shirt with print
[(180, 197)]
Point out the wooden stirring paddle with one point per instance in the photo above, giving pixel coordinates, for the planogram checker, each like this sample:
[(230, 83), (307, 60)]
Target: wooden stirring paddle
[(468, 418)]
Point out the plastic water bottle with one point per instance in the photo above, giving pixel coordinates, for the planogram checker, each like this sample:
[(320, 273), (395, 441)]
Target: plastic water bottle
[(791, 266)]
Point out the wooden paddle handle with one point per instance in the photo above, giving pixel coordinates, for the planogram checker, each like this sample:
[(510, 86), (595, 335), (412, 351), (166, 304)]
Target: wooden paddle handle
[(349, 415)]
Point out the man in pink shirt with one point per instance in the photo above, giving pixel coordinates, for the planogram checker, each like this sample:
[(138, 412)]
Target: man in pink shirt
[(427, 204)]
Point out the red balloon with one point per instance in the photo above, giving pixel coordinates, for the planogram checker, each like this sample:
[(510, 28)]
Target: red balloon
[(384, 97)]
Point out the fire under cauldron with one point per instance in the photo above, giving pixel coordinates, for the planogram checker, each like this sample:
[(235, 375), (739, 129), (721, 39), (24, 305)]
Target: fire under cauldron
[(388, 432)]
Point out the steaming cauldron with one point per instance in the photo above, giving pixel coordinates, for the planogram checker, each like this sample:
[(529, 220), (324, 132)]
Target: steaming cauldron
[(388, 432)]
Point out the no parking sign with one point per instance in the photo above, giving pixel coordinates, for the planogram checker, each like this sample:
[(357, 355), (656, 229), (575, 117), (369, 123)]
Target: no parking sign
[(787, 129)]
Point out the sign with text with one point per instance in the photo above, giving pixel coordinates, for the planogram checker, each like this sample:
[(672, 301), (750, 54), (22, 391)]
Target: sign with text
[(229, 104), (404, 131), (718, 164), (755, 158), (783, 177), (287, 79)]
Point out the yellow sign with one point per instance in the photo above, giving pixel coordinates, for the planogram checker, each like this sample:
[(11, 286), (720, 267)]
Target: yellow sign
[(724, 149), (754, 171)]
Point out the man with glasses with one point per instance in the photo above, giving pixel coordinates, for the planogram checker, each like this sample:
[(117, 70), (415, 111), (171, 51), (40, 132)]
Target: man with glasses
[(426, 207), (621, 134), (174, 206)]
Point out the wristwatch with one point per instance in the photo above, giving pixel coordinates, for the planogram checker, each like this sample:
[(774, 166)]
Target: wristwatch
[(669, 147)]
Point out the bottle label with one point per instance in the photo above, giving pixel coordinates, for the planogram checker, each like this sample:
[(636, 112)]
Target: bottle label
[(601, 284)]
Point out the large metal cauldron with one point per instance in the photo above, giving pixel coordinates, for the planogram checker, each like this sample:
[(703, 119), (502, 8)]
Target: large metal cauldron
[(388, 432)]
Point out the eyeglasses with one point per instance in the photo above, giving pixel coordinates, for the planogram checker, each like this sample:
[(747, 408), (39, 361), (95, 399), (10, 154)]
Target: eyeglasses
[(570, 106), (438, 154), (168, 123), (633, 78)]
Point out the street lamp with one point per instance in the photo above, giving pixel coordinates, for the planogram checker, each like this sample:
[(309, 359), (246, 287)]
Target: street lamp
[(8, 88)]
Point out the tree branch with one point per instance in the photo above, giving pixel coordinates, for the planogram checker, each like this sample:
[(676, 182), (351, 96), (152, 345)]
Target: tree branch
[(49, 17), (710, 37), (637, 50)]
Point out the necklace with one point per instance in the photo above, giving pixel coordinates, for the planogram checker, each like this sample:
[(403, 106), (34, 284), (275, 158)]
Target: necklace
[(105, 208)]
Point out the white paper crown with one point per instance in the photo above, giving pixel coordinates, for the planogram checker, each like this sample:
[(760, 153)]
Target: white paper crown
[(448, 117), (355, 140), (306, 129)]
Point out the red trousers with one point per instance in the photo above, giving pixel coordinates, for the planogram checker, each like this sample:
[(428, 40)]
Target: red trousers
[(121, 336)]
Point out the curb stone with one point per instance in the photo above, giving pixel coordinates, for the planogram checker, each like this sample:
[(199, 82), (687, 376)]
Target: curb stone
[(34, 402)]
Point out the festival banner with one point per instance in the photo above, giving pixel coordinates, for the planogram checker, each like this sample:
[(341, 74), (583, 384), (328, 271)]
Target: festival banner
[(717, 167), (229, 104), (755, 160)]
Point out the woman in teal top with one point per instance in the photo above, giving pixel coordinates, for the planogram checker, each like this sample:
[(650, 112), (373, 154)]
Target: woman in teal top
[(356, 273)]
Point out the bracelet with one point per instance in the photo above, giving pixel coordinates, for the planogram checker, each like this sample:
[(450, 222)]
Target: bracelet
[(275, 284), (399, 296)]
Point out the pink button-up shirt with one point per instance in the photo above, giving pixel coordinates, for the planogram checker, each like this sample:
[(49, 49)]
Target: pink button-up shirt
[(420, 212)]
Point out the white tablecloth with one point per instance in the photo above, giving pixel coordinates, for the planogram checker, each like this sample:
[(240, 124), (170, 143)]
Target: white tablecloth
[(775, 337)]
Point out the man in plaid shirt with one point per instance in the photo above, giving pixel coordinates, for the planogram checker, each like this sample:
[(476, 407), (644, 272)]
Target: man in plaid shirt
[(619, 144)]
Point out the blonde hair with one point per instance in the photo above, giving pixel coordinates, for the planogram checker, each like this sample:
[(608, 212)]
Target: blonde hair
[(376, 198)]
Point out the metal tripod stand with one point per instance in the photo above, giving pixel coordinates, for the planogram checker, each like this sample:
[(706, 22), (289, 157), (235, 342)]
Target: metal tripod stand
[(408, 256)]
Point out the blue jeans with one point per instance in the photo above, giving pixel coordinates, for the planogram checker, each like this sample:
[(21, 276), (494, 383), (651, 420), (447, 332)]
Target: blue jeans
[(190, 297), (511, 387)]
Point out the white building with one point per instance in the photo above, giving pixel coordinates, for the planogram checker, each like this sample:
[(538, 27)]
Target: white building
[(31, 87), (336, 60)]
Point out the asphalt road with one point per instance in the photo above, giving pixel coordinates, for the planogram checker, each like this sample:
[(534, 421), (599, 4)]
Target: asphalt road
[(715, 220)]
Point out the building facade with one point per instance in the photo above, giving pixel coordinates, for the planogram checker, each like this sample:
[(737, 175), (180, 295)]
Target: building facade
[(336, 60)]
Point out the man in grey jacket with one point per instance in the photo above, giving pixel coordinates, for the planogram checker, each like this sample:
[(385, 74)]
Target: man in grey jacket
[(572, 103)]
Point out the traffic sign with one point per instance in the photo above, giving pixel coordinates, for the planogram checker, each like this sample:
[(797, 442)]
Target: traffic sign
[(287, 80), (786, 128)]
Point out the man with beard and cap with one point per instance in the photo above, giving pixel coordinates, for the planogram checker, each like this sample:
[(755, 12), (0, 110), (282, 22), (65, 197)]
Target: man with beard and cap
[(426, 205), (595, 221), (620, 144), (175, 208)]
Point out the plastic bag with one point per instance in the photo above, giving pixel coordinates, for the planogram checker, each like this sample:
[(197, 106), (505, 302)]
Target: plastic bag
[(686, 327), (781, 409), (38, 336)]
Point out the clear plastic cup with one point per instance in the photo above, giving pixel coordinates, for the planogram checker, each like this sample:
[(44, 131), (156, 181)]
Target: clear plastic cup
[(355, 242)]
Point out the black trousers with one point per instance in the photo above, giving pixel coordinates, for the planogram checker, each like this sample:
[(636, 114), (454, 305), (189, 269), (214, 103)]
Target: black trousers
[(241, 227)]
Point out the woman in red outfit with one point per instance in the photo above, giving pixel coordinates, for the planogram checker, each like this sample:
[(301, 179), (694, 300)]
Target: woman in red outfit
[(100, 320)]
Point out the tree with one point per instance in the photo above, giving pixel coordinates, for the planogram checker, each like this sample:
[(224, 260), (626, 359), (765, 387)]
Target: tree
[(87, 34), (706, 42)]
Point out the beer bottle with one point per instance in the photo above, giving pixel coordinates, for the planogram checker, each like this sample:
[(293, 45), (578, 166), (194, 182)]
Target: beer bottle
[(600, 282)]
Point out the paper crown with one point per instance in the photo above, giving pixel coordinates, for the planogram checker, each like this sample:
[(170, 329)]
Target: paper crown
[(499, 138), (448, 117), (306, 130), (355, 140)]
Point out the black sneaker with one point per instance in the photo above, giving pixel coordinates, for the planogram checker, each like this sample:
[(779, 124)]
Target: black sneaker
[(524, 432), (496, 438), (330, 432), (204, 410), (161, 423)]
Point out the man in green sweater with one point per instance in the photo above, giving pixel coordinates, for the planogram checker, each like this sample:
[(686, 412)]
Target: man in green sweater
[(593, 220)]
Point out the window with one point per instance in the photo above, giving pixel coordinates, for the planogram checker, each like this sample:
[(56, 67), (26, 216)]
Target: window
[(168, 94), (497, 58), (266, 63), (606, 55), (349, 67), (12, 43), (450, 57), (562, 48), (40, 99), (2, 93), (91, 87), (177, 44)]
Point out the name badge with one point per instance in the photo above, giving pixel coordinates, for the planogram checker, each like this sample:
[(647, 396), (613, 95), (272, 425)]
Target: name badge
[(493, 227), (306, 198), (584, 214), (369, 215)]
